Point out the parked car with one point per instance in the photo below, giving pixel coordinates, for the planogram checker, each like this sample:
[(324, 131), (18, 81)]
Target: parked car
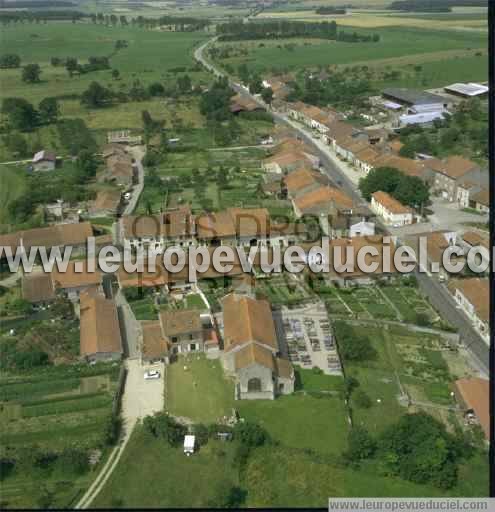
[(151, 374)]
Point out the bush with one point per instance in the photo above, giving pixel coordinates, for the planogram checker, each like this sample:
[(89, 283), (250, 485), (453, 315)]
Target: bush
[(250, 434), (74, 460), (362, 400), (360, 445)]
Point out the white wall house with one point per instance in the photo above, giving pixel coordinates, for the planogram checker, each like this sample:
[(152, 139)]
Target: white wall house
[(392, 211)]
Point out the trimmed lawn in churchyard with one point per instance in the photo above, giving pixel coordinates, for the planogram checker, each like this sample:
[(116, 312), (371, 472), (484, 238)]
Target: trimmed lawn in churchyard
[(198, 389), (301, 421), (315, 381)]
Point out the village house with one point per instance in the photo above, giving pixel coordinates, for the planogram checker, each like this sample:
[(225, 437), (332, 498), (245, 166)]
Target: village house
[(446, 173), (106, 203), (243, 104), (406, 166), (324, 201), (473, 185), (473, 296), (174, 227), (480, 201), (364, 159), (100, 338), (473, 396), (338, 130), (37, 288), (119, 167), (286, 161), (123, 136), (251, 349), (472, 239), (155, 346), (302, 181), (392, 211), (44, 161), (436, 244), (347, 147), (183, 330), (77, 279), (379, 268), (59, 235)]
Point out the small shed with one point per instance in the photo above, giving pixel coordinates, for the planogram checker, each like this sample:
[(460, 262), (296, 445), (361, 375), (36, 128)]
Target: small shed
[(189, 442), (44, 161)]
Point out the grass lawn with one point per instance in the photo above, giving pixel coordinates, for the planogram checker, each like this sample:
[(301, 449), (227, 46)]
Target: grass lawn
[(202, 392), (308, 380), (302, 421), (165, 477), (12, 185)]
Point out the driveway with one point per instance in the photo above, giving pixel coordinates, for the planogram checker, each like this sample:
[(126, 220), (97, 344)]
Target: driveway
[(142, 397)]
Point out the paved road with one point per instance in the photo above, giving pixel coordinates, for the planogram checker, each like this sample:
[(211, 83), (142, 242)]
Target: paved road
[(138, 153), (347, 179)]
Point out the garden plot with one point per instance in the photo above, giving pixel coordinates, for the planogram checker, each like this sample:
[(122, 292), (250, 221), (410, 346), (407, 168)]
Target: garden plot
[(409, 302), (282, 289)]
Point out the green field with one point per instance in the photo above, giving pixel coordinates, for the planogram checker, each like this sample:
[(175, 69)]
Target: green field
[(395, 42), (149, 56), (274, 476), (201, 392)]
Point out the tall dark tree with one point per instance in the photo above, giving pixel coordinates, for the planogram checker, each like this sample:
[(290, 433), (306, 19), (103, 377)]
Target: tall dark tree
[(48, 110), (21, 114), (95, 96), (31, 73)]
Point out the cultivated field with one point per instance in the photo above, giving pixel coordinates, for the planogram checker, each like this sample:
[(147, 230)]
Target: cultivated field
[(444, 53), (48, 410)]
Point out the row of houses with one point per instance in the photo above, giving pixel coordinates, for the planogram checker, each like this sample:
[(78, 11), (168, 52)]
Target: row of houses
[(233, 226), (454, 178)]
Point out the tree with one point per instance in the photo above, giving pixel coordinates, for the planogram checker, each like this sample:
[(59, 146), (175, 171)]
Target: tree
[(267, 95), (184, 84), (156, 89), (411, 191), (418, 448), (361, 399), (74, 460), (360, 445), (48, 110), (16, 144), (31, 73), (10, 61), (115, 74), (71, 65), (87, 163), (385, 179), (95, 96), (255, 85), (21, 114), (201, 433), (352, 347), (250, 434), (225, 495)]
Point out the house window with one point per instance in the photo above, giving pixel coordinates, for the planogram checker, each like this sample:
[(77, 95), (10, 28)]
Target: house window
[(192, 347), (174, 339), (281, 387), (254, 385)]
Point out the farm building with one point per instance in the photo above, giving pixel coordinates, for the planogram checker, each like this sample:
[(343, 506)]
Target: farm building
[(469, 90), (44, 161), (416, 102), (100, 338)]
